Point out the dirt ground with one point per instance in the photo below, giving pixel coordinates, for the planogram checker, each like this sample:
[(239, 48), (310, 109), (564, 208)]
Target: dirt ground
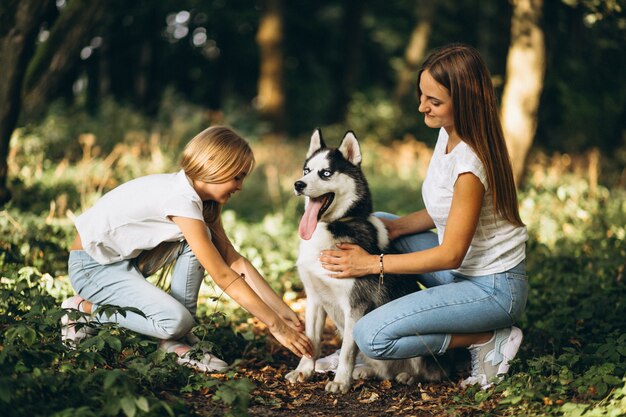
[(274, 396)]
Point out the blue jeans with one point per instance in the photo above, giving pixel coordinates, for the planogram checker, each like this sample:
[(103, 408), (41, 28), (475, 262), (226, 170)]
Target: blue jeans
[(168, 316), (422, 323)]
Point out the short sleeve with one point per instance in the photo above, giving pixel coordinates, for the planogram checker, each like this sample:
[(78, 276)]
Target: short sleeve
[(468, 162), (183, 206)]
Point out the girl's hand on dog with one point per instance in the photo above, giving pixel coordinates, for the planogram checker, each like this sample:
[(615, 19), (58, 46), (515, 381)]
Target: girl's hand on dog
[(295, 341), (350, 261)]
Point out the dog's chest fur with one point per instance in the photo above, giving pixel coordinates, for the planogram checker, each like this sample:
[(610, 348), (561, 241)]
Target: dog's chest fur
[(339, 296)]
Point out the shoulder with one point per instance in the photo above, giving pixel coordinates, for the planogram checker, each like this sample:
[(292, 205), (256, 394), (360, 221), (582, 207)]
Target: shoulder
[(467, 155), (467, 161)]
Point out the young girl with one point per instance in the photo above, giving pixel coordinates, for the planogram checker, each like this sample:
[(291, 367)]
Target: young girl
[(182, 207), (474, 265)]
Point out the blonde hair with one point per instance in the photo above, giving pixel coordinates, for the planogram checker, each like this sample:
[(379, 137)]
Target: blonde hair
[(461, 70), (215, 155)]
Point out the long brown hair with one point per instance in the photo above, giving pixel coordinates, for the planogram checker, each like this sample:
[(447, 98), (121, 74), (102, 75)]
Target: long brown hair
[(462, 71), (215, 155)]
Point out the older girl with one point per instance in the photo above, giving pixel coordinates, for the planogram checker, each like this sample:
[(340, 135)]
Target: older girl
[(474, 265)]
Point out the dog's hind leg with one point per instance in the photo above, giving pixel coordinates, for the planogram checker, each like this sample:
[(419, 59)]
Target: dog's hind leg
[(405, 378), (363, 372), (343, 375), (315, 318)]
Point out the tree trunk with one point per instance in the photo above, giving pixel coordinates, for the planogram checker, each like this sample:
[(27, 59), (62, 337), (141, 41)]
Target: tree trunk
[(20, 21), (60, 54), (352, 25), (525, 69), (415, 50), (271, 95)]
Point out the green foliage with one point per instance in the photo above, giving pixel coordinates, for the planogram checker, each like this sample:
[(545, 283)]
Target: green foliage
[(115, 372), (30, 240)]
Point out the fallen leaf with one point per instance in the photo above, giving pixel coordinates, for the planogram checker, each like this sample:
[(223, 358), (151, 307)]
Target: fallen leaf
[(386, 384), (371, 399)]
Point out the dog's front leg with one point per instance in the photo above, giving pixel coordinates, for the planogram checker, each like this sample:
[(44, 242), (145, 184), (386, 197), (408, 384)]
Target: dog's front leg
[(315, 319), (343, 376)]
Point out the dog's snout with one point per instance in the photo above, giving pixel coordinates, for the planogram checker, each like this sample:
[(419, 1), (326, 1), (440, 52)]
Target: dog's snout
[(299, 186)]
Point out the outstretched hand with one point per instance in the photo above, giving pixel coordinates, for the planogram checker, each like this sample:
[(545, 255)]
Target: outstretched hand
[(292, 319), (294, 340), (349, 261)]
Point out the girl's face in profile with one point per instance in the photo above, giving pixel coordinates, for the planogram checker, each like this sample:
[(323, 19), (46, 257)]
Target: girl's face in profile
[(435, 103), (219, 193)]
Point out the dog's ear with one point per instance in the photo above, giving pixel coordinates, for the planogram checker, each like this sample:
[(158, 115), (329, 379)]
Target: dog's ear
[(316, 143), (350, 149)]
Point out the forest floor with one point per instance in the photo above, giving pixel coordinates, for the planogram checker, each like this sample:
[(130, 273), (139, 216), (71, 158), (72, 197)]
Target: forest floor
[(273, 395)]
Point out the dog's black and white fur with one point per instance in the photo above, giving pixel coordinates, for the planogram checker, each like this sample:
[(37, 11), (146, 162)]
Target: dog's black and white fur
[(339, 210)]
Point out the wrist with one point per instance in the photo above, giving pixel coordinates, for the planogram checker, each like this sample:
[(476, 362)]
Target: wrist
[(381, 269), (273, 324), (375, 269)]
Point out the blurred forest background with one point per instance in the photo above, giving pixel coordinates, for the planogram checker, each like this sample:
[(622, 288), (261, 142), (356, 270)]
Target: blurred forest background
[(281, 68), (94, 93)]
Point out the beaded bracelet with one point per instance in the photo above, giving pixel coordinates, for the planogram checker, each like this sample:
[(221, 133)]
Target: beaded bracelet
[(381, 277)]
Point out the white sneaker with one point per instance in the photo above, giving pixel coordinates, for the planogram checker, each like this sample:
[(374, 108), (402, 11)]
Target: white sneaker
[(490, 360), (331, 362), (207, 363), (69, 334)]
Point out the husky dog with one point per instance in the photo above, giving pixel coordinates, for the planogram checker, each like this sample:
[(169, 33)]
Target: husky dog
[(338, 209)]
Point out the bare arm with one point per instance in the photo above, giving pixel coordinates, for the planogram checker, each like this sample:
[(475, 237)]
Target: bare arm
[(262, 288), (256, 281), (353, 261), (197, 237), (417, 222)]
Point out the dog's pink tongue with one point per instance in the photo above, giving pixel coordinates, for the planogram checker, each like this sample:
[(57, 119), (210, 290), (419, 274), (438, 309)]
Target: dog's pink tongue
[(309, 219)]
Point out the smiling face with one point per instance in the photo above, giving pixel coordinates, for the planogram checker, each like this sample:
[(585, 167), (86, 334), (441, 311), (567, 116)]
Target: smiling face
[(435, 103), (219, 193)]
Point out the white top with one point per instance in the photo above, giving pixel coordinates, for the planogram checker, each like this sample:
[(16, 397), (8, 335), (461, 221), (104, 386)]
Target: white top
[(497, 245), (136, 216)]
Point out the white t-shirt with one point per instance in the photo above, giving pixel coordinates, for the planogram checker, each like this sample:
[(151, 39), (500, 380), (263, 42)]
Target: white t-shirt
[(135, 216), (497, 245)]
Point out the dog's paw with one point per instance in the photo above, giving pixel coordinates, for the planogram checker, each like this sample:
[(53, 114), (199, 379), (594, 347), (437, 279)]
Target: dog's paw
[(297, 376), (363, 372), (336, 387), (405, 378)]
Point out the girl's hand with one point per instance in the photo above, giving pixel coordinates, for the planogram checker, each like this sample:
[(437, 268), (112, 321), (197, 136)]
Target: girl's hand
[(295, 341), (350, 261), (292, 319)]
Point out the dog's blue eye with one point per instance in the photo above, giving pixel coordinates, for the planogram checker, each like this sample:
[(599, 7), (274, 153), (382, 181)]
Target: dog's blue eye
[(306, 171), (326, 173)]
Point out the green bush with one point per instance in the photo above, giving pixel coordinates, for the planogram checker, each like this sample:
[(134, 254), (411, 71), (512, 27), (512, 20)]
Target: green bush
[(113, 372)]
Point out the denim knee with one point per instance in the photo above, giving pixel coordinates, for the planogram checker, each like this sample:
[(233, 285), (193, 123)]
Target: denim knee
[(364, 339), (177, 323), (385, 215)]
